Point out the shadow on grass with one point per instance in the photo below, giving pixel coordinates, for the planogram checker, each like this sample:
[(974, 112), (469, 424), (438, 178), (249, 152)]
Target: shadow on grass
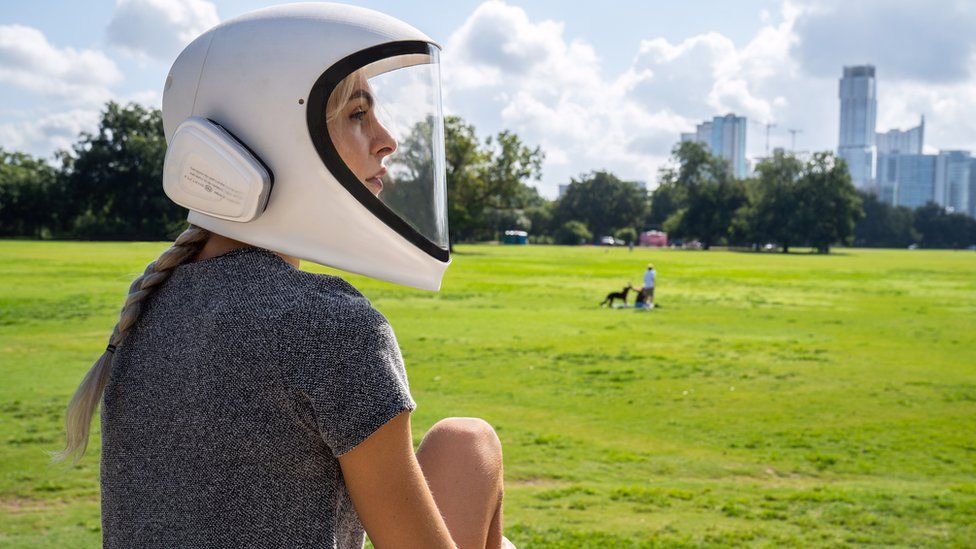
[(466, 253), (771, 253)]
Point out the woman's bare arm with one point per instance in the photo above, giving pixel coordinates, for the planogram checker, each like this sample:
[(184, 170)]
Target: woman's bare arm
[(389, 491)]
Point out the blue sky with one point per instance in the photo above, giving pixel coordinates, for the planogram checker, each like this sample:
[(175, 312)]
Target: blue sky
[(599, 85)]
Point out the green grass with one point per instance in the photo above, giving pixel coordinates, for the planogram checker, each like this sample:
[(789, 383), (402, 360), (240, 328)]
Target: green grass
[(771, 400)]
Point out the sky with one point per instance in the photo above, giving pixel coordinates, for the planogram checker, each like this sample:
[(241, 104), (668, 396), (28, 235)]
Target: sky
[(598, 85)]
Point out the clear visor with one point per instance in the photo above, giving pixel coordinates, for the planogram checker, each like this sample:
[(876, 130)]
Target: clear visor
[(386, 124)]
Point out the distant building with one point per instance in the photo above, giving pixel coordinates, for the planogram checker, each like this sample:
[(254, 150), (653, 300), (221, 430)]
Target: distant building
[(972, 187), (952, 180), (892, 163), (909, 141), (562, 190), (906, 179), (725, 137), (886, 177), (858, 110)]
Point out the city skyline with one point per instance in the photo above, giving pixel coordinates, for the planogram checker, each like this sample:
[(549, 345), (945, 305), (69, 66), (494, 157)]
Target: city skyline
[(893, 164), (595, 90)]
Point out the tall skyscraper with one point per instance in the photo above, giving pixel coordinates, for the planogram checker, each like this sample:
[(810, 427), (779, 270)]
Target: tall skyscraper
[(858, 109), (725, 136), (729, 141), (909, 141)]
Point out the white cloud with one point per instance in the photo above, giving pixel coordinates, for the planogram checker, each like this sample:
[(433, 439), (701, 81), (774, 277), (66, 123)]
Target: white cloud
[(704, 74), (499, 46), (930, 41), (44, 134), (159, 29), (30, 62), (551, 89), (41, 133), (146, 98)]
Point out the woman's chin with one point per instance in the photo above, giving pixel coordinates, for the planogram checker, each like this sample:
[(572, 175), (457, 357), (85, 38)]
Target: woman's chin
[(375, 186)]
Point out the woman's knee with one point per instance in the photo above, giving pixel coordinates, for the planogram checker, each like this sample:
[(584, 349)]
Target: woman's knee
[(463, 438)]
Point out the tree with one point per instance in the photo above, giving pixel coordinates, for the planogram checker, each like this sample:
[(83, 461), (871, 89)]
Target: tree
[(499, 220), (940, 229), (770, 215), (627, 235), (541, 218), (602, 202), (827, 204), (665, 201), (28, 186), (710, 195), (486, 176), (412, 189), (573, 233), (113, 178), (884, 225)]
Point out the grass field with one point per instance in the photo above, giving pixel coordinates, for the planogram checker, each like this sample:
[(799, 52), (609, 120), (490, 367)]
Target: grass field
[(771, 399)]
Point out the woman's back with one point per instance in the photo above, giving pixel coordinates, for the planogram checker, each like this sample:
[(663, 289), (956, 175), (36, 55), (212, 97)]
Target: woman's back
[(230, 400)]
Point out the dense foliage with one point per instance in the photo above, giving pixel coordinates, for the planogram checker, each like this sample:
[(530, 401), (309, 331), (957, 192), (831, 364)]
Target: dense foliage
[(107, 187), (603, 202)]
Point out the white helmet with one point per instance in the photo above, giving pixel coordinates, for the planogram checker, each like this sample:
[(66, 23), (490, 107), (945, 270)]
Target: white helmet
[(252, 156)]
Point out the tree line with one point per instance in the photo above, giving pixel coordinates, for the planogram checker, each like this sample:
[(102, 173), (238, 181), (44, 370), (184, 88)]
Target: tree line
[(107, 186), (790, 201)]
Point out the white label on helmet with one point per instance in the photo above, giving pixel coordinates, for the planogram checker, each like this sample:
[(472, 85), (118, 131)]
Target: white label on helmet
[(208, 186)]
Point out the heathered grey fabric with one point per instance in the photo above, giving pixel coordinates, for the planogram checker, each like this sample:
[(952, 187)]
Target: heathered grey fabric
[(230, 400)]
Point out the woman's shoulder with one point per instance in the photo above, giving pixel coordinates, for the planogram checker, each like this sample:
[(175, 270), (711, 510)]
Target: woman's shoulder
[(335, 323), (332, 301)]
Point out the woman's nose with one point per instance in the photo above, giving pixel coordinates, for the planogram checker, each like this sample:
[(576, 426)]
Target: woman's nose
[(384, 144)]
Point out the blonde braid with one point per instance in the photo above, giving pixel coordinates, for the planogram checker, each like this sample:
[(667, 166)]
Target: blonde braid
[(83, 404)]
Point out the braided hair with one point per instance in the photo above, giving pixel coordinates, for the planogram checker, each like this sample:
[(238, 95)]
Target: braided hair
[(83, 404)]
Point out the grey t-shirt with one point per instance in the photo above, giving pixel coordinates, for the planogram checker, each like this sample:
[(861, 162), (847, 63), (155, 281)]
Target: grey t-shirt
[(230, 400)]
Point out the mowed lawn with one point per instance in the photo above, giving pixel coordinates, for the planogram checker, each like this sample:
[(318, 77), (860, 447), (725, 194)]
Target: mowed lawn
[(772, 399)]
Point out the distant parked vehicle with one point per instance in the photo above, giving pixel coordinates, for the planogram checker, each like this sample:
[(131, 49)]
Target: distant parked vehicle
[(607, 241)]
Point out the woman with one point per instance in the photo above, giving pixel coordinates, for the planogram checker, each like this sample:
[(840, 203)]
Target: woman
[(247, 402)]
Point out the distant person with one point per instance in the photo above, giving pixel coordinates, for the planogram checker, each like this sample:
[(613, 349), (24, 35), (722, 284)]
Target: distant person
[(649, 277)]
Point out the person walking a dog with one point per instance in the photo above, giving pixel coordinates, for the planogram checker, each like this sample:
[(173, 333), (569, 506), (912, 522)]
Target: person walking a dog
[(648, 291)]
